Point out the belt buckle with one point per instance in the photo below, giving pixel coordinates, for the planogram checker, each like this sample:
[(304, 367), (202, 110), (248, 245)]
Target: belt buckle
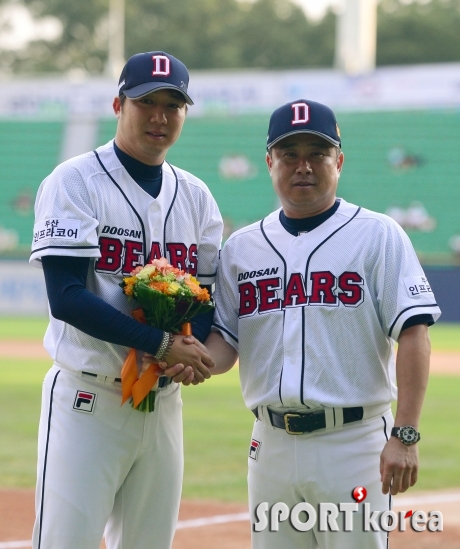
[(286, 424)]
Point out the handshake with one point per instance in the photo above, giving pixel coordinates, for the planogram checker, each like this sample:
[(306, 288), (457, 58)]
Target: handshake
[(187, 362)]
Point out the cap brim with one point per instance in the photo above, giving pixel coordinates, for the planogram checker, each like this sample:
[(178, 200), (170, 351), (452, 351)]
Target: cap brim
[(324, 136), (144, 89)]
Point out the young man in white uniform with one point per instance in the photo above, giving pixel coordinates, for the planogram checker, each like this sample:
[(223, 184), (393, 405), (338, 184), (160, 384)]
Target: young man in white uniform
[(98, 216), (312, 299)]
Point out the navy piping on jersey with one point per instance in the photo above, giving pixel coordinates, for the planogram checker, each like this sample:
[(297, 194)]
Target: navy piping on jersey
[(389, 494), (131, 206), (274, 249), (303, 309), (226, 331), (66, 247), (408, 309), (206, 275), (167, 216), (284, 311), (146, 251), (302, 375), (326, 239), (46, 459), (170, 208)]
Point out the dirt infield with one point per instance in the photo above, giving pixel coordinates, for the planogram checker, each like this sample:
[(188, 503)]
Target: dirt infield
[(17, 515), (447, 362)]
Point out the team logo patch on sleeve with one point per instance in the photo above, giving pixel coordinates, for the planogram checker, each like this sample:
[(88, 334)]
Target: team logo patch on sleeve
[(417, 285), (84, 402), (254, 449)]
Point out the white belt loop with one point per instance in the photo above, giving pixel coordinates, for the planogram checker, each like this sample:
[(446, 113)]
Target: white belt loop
[(338, 412), (329, 417), (100, 377), (263, 415)]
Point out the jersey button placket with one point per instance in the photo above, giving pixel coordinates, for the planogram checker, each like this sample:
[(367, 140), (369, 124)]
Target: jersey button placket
[(292, 326), (155, 223)]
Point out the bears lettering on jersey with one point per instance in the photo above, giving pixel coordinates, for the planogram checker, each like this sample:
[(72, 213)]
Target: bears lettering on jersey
[(326, 290), (117, 255)]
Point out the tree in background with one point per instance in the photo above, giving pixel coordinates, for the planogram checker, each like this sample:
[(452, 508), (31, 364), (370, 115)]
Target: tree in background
[(223, 34), (212, 34), (420, 32), (205, 34)]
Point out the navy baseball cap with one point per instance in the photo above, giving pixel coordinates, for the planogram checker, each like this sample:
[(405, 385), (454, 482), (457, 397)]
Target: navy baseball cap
[(151, 71), (303, 116)]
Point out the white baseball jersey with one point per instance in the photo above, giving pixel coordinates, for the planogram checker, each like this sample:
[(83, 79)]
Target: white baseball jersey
[(91, 207), (314, 317)]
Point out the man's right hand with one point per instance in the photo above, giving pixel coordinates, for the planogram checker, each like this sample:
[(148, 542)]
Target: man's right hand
[(187, 362), (190, 352)]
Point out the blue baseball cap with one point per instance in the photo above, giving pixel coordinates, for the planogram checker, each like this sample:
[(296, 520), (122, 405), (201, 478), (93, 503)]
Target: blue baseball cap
[(303, 116), (151, 71)]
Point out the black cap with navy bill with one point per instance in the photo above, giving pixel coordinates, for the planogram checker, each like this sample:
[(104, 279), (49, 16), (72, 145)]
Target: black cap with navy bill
[(303, 116), (147, 72)]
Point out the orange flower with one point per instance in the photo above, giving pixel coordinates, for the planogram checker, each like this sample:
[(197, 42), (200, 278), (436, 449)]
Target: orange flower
[(194, 286), (161, 287), (200, 293), (203, 295)]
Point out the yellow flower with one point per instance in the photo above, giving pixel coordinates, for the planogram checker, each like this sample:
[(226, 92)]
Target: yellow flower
[(129, 281), (173, 288)]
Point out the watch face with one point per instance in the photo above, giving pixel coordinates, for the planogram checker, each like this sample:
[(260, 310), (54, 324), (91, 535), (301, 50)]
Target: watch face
[(409, 435)]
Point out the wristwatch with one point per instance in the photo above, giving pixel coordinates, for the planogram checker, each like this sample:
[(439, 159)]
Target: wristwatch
[(407, 435)]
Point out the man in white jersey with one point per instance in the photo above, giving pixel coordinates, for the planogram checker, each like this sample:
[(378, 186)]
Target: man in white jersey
[(313, 298), (98, 216)]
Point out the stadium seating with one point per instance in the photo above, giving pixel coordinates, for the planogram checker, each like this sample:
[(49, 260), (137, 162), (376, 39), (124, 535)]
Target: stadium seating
[(29, 152), (398, 161), (404, 161)]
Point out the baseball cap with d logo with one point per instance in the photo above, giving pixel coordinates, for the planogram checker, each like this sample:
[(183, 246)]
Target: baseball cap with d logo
[(151, 71), (303, 116)]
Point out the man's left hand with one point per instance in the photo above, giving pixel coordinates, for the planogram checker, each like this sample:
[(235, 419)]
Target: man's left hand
[(398, 466)]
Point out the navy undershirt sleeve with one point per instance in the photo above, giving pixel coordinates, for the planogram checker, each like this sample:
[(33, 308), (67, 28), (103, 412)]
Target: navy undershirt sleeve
[(71, 302), (201, 324)]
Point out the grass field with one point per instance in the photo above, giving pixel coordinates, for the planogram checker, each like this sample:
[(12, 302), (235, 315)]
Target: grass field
[(445, 336), (217, 425)]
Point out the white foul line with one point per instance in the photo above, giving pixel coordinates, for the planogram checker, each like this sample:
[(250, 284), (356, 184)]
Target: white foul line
[(240, 517), (439, 498), (206, 521)]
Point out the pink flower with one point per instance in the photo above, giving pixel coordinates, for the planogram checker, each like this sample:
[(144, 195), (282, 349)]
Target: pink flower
[(138, 269), (160, 263), (165, 268)]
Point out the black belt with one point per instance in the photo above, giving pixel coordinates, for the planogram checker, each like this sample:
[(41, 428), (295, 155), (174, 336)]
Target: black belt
[(307, 422), (163, 381)]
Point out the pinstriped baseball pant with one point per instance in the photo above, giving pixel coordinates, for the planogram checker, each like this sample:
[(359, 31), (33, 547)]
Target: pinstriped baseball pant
[(323, 466), (113, 468)]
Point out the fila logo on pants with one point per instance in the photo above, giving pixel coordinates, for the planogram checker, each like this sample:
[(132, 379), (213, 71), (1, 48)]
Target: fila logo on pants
[(265, 295), (84, 402), (254, 449)]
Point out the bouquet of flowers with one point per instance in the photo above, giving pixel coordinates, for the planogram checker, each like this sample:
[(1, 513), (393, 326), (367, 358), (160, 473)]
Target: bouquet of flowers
[(169, 298)]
